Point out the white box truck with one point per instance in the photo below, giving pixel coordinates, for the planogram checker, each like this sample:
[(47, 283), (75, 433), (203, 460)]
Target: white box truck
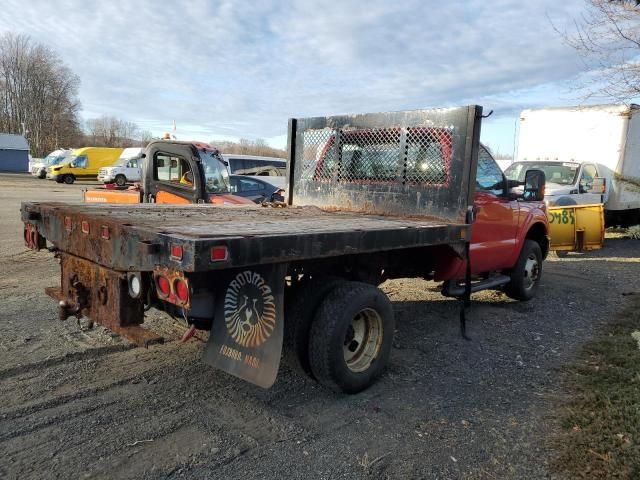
[(578, 146)]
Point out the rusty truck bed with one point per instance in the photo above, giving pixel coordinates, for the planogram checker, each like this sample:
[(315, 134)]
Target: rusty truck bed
[(140, 237)]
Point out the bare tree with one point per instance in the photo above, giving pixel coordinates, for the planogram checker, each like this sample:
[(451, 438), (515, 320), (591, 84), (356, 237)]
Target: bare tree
[(109, 131), (607, 37), (245, 146), (38, 94)]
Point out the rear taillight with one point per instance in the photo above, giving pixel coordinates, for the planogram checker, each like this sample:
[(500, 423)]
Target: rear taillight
[(84, 226), (164, 287), (176, 252), (219, 253), (68, 224), (104, 232), (181, 290)]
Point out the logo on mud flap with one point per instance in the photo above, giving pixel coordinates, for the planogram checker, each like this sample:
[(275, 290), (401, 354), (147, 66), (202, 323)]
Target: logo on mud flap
[(249, 309)]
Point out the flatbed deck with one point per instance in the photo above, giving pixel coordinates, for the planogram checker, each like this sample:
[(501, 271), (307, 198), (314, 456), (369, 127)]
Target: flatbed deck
[(252, 235)]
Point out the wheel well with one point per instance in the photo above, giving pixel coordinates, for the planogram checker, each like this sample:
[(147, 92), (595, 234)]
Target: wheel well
[(538, 233)]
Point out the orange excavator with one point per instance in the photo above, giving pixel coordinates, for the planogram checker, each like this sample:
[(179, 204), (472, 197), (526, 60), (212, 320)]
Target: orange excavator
[(178, 173)]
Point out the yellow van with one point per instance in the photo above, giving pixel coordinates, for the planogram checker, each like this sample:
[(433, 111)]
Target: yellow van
[(83, 164)]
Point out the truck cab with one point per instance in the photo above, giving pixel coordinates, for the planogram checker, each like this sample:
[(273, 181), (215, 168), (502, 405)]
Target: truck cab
[(176, 173), (128, 168), (568, 183)]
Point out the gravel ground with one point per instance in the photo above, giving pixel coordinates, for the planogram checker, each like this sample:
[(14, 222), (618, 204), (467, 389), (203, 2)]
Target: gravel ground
[(83, 403)]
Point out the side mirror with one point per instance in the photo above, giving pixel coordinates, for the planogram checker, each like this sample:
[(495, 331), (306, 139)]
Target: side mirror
[(174, 164), (160, 163), (513, 184), (534, 183)]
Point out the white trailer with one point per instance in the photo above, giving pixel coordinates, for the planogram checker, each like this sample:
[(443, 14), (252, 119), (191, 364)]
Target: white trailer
[(575, 145)]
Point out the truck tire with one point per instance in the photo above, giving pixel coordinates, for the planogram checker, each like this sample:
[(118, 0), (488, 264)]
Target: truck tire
[(298, 317), (525, 276), (351, 337), (121, 180), (68, 179)]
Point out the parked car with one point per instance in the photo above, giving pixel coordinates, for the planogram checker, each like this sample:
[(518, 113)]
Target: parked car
[(270, 169), (255, 189), (127, 169)]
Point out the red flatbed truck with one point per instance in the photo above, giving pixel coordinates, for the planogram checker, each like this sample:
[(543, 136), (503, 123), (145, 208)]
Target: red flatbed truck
[(370, 197)]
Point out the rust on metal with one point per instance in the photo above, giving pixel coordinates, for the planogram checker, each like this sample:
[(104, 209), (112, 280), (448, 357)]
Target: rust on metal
[(172, 277), (32, 238), (101, 294)]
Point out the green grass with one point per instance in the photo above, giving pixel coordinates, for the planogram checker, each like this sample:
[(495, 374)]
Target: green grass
[(601, 422)]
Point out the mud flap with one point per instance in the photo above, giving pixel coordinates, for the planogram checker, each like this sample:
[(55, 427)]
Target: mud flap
[(246, 335)]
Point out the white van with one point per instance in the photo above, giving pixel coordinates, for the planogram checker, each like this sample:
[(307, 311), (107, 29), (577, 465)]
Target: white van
[(269, 169), (127, 169), (39, 168)]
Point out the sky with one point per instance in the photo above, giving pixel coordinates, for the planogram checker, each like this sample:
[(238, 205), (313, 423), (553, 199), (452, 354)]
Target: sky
[(238, 69)]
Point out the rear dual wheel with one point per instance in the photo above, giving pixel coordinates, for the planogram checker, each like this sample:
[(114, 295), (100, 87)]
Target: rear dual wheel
[(351, 337), (339, 332)]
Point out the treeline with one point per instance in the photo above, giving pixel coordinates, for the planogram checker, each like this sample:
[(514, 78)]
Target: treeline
[(109, 131), (39, 99), (38, 95), (249, 147)]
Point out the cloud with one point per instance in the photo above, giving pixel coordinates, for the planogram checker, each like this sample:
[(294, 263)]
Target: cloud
[(240, 69)]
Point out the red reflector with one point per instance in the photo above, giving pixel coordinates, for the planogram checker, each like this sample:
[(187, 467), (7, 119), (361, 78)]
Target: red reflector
[(68, 224), (182, 290), (164, 289), (176, 252), (84, 226), (219, 253), (104, 232)]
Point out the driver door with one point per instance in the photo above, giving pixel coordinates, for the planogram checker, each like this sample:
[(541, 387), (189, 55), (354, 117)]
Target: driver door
[(493, 235), (174, 176)]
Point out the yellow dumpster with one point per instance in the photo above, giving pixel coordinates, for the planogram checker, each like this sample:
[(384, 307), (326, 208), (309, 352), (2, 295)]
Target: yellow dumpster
[(576, 227)]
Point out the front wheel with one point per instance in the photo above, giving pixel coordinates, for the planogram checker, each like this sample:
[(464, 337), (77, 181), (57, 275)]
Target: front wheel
[(351, 337), (42, 175), (121, 180), (525, 276), (68, 179)]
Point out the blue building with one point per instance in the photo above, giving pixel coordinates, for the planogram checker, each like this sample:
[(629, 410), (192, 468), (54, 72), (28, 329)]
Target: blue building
[(14, 153)]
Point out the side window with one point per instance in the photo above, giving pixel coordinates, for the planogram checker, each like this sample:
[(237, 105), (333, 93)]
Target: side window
[(248, 185), (133, 163), (80, 162), (489, 177), (172, 169), (586, 180)]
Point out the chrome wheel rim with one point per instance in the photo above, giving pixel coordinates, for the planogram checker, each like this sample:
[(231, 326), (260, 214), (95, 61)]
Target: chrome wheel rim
[(531, 271), (363, 340)]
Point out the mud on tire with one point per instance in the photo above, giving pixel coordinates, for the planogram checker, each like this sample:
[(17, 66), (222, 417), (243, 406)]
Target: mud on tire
[(351, 337)]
